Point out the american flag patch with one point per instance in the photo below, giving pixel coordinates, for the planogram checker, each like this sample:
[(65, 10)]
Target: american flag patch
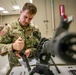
[(2, 32)]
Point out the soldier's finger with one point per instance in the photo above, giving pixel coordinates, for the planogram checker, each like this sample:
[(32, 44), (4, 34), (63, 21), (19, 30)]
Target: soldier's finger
[(19, 39), (20, 42)]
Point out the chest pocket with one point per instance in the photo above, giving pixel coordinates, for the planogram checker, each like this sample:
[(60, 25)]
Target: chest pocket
[(30, 39)]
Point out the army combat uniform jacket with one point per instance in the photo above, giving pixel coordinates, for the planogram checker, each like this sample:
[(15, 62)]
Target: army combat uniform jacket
[(11, 33)]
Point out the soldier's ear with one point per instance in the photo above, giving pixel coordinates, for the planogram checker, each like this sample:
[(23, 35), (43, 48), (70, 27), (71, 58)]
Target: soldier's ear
[(20, 11)]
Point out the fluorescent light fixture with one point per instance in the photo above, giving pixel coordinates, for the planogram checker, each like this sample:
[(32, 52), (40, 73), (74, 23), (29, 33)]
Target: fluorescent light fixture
[(16, 7), (31, 1), (5, 11), (1, 8)]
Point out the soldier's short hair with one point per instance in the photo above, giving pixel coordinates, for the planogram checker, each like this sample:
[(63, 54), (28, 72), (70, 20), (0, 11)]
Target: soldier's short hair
[(31, 7)]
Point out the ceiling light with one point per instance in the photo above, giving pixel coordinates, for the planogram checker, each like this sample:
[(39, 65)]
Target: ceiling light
[(5, 11), (31, 1), (1, 9), (16, 7)]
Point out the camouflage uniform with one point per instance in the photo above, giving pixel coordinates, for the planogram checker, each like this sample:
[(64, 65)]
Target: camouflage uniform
[(11, 33)]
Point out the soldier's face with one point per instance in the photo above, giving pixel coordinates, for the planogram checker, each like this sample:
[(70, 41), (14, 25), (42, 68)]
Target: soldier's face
[(25, 17)]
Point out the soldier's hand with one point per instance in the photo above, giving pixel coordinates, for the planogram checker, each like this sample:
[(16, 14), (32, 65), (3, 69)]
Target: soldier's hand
[(18, 44), (28, 52)]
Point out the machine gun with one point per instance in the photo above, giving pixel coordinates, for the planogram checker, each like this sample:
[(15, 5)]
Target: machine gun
[(62, 44)]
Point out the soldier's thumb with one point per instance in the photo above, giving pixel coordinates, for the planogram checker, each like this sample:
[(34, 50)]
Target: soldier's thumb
[(19, 39)]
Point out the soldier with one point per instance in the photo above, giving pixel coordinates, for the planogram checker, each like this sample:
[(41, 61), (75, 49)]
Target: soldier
[(18, 37)]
